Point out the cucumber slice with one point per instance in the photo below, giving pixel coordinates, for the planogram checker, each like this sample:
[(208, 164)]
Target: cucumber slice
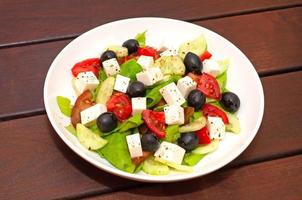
[(224, 64), (178, 167), (89, 139), (153, 167), (234, 124), (105, 90), (171, 65), (204, 149), (194, 126), (119, 50), (197, 46)]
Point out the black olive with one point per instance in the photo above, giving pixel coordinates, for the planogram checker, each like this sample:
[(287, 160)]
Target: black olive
[(136, 89), (106, 122), (188, 141), (132, 45), (108, 55), (193, 63), (230, 102), (196, 99), (149, 142)]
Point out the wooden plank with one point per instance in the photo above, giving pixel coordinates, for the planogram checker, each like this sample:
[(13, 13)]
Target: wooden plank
[(278, 179), (261, 41), (36, 164), (37, 20)]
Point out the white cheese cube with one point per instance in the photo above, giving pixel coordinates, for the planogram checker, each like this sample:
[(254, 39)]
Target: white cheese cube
[(174, 114), (169, 52), (85, 81), (172, 94), (111, 67), (121, 83), (90, 114), (150, 77), (216, 127), (170, 152), (134, 145), (186, 85), (211, 67), (145, 61), (139, 104)]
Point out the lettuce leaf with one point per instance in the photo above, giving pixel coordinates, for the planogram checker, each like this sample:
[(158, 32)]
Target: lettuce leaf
[(132, 122), (64, 105), (172, 133), (130, 69), (192, 159), (71, 129), (141, 38)]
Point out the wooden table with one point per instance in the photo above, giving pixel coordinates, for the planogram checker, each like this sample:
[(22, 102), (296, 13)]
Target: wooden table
[(36, 164)]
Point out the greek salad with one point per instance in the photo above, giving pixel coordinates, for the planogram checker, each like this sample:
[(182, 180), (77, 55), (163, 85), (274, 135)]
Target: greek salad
[(149, 109)]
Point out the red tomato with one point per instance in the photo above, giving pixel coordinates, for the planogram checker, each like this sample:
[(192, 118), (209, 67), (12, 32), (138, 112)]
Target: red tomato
[(91, 64), (120, 105), (213, 111), (205, 55), (207, 84), (155, 122), (203, 136), (147, 51)]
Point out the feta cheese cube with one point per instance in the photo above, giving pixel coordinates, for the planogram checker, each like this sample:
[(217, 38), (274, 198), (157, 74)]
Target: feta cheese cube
[(150, 77), (174, 114), (216, 127), (139, 104), (85, 81), (170, 152), (121, 83), (134, 145), (90, 114), (145, 61), (169, 52), (186, 85), (111, 67), (172, 94), (211, 66)]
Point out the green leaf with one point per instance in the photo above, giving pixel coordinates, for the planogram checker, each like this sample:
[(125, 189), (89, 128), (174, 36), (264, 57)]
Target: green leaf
[(192, 159), (130, 69), (139, 168), (132, 122), (71, 129), (172, 133), (160, 108), (196, 115), (64, 105), (141, 38), (102, 75), (116, 152), (222, 80)]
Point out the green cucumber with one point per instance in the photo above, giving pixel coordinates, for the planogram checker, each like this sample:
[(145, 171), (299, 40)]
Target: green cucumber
[(194, 126), (204, 149), (171, 65), (153, 167), (119, 50), (89, 139), (233, 125), (178, 167), (105, 90), (197, 46)]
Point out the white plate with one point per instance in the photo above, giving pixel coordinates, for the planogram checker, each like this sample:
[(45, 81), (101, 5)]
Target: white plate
[(242, 79)]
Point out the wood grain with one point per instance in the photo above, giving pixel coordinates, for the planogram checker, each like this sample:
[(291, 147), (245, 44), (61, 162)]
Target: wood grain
[(36, 19), (36, 164), (279, 179), (259, 36)]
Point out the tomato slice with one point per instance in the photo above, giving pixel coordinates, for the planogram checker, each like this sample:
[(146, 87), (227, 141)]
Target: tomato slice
[(91, 64), (207, 84), (203, 136), (120, 105), (205, 55), (138, 160), (155, 122), (148, 51), (213, 111)]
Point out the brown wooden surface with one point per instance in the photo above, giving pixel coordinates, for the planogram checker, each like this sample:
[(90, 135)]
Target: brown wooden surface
[(36, 160), (267, 51), (35, 19), (242, 183)]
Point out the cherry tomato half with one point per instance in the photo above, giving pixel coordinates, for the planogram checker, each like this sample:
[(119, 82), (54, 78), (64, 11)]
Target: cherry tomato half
[(207, 84), (91, 64), (155, 121), (120, 105), (148, 51), (205, 55), (213, 111), (203, 136)]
